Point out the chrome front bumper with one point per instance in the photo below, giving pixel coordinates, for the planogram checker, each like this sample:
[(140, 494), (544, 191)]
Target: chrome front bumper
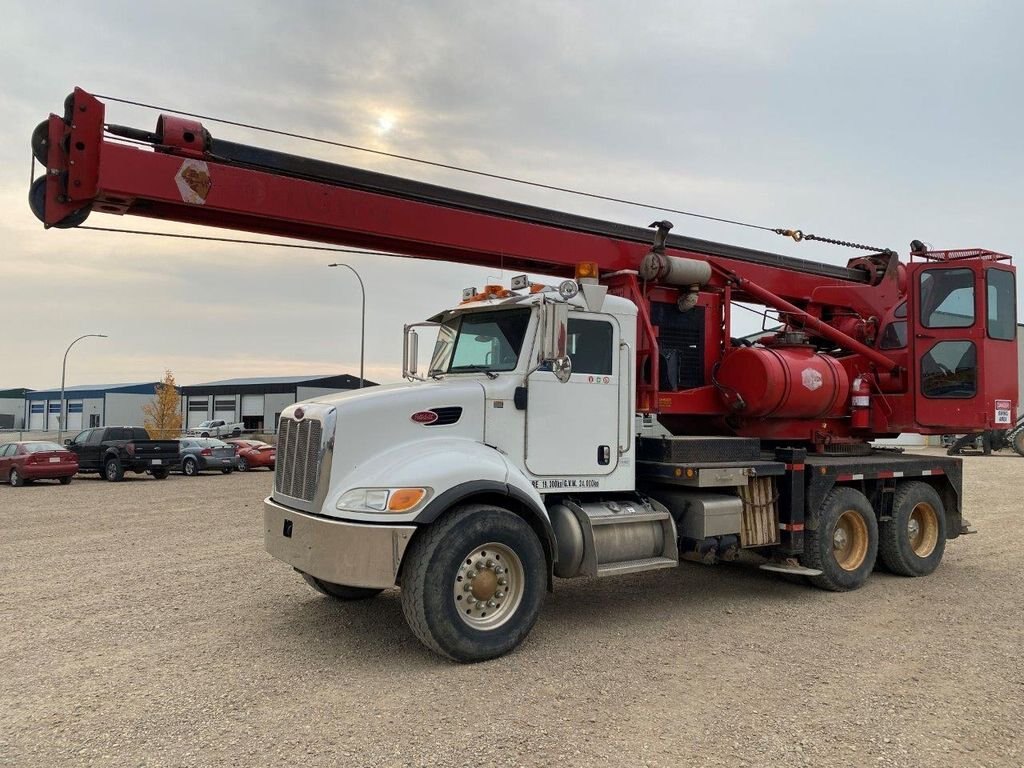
[(337, 551)]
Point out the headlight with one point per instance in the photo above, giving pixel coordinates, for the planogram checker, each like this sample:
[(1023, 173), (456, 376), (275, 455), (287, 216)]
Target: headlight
[(382, 499)]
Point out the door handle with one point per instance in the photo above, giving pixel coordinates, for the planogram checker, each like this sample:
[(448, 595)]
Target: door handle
[(924, 336)]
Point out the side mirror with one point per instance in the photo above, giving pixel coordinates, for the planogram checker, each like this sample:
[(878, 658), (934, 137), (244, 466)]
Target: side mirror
[(554, 322), (67, 441), (410, 353)]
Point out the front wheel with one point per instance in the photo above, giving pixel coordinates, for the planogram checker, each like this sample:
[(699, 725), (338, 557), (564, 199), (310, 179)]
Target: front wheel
[(113, 471), (842, 540), (227, 470), (473, 583), (243, 465), (340, 591)]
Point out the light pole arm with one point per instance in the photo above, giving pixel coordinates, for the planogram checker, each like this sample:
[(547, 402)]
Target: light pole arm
[(63, 372), (362, 321)]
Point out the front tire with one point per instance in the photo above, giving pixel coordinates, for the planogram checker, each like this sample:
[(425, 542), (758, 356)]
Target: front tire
[(913, 541), (16, 479), (842, 541), (243, 465), (190, 468), (340, 591), (473, 583), (113, 471)]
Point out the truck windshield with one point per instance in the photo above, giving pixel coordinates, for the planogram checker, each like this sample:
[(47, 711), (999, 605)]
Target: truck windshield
[(480, 341)]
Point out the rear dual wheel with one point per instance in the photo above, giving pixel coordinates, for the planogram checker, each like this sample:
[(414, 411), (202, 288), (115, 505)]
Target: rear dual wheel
[(842, 541), (913, 540)]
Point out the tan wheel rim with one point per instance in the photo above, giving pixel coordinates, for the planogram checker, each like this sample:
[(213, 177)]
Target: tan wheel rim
[(850, 540), (923, 529), (489, 586)]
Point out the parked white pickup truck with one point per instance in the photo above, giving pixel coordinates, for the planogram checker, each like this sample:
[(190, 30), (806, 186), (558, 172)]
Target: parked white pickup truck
[(216, 428)]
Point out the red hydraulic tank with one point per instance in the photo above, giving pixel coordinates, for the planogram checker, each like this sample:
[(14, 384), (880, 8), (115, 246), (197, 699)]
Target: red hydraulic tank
[(782, 382)]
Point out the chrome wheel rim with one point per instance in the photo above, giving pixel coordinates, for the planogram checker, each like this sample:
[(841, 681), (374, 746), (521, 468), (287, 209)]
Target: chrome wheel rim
[(488, 587), (111, 471), (14, 476)]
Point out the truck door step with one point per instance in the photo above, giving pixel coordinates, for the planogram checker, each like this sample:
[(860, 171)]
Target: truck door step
[(636, 566), (789, 567)]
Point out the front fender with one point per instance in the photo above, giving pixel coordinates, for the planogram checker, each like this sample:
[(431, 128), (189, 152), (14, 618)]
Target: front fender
[(441, 464)]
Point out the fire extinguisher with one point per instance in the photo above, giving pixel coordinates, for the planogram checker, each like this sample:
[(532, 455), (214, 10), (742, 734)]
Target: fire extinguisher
[(860, 403)]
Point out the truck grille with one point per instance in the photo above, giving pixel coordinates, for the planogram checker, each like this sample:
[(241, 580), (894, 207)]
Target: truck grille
[(298, 458)]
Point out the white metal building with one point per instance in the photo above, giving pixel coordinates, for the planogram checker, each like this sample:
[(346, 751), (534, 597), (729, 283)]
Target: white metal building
[(256, 402), (88, 405), (12, 408)]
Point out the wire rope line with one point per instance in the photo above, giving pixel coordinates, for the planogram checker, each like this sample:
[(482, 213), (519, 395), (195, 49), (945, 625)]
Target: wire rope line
[(436, 164)]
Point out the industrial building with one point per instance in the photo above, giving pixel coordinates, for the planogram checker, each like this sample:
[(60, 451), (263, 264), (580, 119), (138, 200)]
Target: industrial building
[(12, 408), (256, 402), (87, 405)]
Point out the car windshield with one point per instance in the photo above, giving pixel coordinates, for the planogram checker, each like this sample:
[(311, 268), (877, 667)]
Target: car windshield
[(210, 442), (40, 447), (205, 424), (480, 341)]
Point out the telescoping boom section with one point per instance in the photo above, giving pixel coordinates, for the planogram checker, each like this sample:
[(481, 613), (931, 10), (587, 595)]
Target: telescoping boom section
[(872, 349)]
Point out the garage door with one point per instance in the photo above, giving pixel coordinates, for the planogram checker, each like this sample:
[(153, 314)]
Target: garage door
[(252, 405), (197, 411), (74, 416), (53, 410), (224, 408), (37, 417)]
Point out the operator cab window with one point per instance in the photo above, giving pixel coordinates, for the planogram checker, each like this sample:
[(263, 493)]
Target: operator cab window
[(1002, 304), (590, 346), (947, 298), (950, 370), (895, 334)]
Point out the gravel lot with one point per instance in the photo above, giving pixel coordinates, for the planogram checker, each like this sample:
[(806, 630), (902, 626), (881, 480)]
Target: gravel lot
[(144, 625)]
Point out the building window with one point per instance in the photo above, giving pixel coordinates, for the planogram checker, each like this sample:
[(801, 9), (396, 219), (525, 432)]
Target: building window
[(224, 405), (94, 420)]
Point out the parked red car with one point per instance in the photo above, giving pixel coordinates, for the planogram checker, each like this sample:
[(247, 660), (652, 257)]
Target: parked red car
[(253, 454), (30, 460)]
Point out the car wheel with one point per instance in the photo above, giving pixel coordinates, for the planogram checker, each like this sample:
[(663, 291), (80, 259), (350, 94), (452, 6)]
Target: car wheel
[(228, 470), (205, 434), (243, 465), (161, 474), (65, 481), (190, 468), (113, 471), (16, 479)]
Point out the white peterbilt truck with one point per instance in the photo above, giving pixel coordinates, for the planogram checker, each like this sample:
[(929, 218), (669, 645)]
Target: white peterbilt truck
[(457, 455)]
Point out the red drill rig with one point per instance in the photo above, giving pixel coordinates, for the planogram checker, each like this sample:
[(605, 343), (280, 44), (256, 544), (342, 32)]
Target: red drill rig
[(777, 429)]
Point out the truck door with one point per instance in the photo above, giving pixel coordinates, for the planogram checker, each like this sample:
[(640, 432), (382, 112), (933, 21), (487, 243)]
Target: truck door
[(963, 356), (572, 428)]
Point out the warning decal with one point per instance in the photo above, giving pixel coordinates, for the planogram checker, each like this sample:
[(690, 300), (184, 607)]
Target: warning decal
[(193, 180)]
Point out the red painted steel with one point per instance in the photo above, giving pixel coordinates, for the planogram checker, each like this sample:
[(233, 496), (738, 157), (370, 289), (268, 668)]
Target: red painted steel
[(843, 318)]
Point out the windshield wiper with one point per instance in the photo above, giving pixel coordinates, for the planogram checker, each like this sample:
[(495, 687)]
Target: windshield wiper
[(474, 369)]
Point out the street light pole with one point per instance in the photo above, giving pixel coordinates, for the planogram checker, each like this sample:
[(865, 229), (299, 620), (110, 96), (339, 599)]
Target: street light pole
[(362, 323), (63, 371)]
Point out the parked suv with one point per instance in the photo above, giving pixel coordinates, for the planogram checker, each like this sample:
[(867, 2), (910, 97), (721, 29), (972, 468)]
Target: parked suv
[(113, 451)]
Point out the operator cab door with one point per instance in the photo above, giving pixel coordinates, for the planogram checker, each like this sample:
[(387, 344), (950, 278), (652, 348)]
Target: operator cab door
[(963, 357), (572, 428)]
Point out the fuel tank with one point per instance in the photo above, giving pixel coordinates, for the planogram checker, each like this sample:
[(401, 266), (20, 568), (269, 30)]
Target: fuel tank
[(782, 382)]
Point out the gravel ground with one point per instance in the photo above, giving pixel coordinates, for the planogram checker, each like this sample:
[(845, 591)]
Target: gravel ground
[(144, 625)]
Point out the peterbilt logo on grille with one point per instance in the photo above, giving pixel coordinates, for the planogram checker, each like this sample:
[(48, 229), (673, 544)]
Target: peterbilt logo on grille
[(299, 413)]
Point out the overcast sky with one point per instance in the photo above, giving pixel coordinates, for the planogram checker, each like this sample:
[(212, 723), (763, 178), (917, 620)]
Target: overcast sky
[(878, 122)]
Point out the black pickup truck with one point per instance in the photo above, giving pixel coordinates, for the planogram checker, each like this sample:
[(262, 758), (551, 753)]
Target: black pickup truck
[(113, 451)]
